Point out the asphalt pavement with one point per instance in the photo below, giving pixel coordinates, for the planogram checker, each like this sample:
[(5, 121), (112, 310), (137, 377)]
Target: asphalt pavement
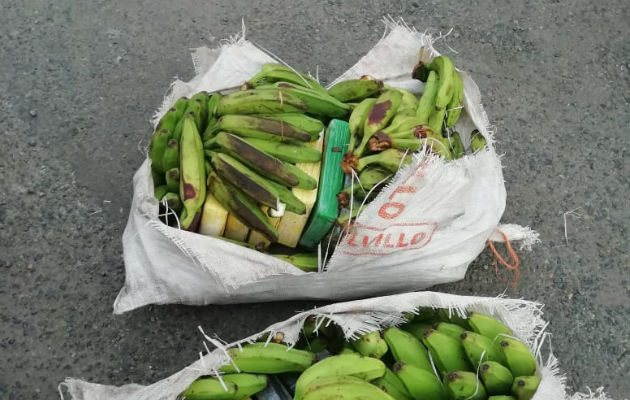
[(79, 82)]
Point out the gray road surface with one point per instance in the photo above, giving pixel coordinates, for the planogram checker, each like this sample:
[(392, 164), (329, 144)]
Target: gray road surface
[(80, 80)]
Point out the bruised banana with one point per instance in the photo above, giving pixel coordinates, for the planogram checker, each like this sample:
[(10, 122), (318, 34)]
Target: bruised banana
[(408, 349), (355, 365), (371, 345), (496, 378), (420, 383), (518, 358), (464, 385), (392, 385), (239, 204), (356, 121), (303, 122), (260, 127), (293, 152), (476, 345), (318, 103), (273, 72), (157, 147), (427, 100), (355, 89), (381, 141), (447, 353), (256, 159), (524, 387), (237, 387), (257, 187), (379, 116), (347, 215), (267, 358), (343, 388), (255, 101), (192, 170), (368, 178), (172, 180), (390, 159)]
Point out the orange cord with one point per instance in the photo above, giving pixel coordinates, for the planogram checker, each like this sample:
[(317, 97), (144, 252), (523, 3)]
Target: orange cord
[(499, 258)]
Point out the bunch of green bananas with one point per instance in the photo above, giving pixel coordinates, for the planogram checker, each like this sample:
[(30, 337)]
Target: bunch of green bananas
[(433, 356)]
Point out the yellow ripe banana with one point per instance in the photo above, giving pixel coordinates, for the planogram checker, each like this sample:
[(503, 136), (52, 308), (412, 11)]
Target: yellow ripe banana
[(192, 175), (270, 358), (355, 365), (237, 387), (518, 357), (344, 388), (407, 349), (524, 387), (420, 383), (464, 385), (371, 345)]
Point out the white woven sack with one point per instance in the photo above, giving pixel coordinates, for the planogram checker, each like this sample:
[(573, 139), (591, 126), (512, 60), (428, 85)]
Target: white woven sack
[(425, 228), (524, 318)]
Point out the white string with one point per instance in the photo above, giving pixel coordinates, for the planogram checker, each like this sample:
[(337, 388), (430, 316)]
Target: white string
[(477, 377)]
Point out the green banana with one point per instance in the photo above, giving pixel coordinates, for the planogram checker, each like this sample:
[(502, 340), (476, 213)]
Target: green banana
[(392, 385), (260, 101), (380, 114), (177, 132), (258, 188), (171, 155), (475, 345), (303, 122), (255, 159), (306, 261), (408, 103), (317, 103), (368, 178), (169, 120), (158, 178), (436, 121), (464, 385), (371, 345), (347, 350), (192, 180), (426, 105), (160, 191), (452, 330), (518, 358), (357, 121), (355, 89), (343, 388), (316, 345), (344, 217), (180, 107), (157, 147), (237, 387), (477, 141), (213, 103), (406, 126), (416, 328), (358, 366), (425, 314), (196, 108), (496, 378), (524, 387), (421, 384), (202, 98), (241, 206), (390, 159), (173, 202), (273, 72), (172, 180), (456, 145), (305, 181), (454, 108), (453, 317), (406, 348), (445, 71), (269, 358), (292, 152), (501, 397), (259, 127), (447, 353), (487, 326), (381, 141)]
